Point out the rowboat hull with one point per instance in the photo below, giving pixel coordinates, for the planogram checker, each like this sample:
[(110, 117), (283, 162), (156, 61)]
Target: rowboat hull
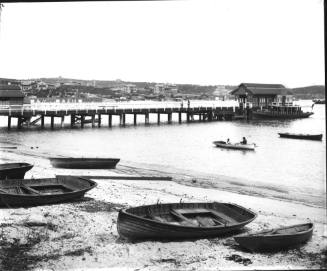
[(269, 241), (14, 170), (34, 192), (275, 115), (301, 136), (135, 224), (222, 144), (84, 163)]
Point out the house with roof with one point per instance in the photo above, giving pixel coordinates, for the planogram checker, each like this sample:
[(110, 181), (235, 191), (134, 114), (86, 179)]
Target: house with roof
[(11, 95), (263, 95)]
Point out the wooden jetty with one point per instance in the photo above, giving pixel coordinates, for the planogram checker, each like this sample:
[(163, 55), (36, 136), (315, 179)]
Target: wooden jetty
[(81, 114)]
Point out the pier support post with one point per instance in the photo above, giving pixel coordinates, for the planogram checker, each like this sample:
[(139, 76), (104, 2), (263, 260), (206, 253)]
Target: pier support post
[(158, 118), (19, 122), (188, 117), (72, 120), (135, 119), (42, 121), (124, 119), (179, 117), (169, 117), (146, 118), (52, 122), (62, 121), (109, 120), (82, 121), (93, 120), (9, 122), (99, 120)]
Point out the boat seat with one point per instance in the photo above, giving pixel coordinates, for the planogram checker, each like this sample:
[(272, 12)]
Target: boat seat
[(30, 189)]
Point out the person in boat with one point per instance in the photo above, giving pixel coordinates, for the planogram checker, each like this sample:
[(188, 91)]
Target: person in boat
[(244, 141), (228, 141)]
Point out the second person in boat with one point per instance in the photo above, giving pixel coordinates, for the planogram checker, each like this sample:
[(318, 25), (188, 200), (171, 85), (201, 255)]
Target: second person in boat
[(244, 141)]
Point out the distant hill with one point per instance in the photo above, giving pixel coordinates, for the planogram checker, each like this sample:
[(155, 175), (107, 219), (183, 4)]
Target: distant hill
[(310, 92)]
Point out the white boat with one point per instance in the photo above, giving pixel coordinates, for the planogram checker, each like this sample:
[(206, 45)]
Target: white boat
[(235, 146)]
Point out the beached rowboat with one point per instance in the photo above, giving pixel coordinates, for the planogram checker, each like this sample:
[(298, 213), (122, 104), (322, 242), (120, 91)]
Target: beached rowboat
[(235, 146), (301, 136), (84, 163), (33, 192), (14, 170), (276, 239), (182, 220)]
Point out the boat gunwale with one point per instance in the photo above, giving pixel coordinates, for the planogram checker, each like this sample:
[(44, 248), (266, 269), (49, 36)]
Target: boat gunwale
[(124, 211), (93, 185)]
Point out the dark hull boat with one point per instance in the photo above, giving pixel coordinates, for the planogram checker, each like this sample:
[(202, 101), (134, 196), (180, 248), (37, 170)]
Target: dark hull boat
[(276, 239), (14, 170), (275, 115), (182, 220), (236, 146), (301, 136), (34, 192), (84, 163)]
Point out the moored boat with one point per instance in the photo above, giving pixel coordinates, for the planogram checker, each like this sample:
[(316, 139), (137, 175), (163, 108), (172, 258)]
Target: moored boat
[(276, 239), (84, 163), (182, 220), (301, 136), (261, 114), (14, 170), (234, 146), (34, 192)]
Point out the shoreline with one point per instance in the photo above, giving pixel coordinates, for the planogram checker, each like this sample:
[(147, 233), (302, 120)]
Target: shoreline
[(186, 177)]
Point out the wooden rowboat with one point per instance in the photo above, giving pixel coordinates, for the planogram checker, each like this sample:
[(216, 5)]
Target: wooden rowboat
[(235, 146), (276, 239), (301, 136), (33, 192), (84, 163), (182, 220), (14, 170)]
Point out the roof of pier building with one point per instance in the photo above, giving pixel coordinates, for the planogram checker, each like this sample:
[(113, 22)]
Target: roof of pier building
[(261, 89)]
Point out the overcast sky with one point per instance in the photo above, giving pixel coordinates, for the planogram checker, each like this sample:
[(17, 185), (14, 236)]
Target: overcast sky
[(199, 42)]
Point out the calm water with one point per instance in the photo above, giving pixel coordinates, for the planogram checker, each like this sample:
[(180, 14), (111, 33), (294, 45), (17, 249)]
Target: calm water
[(297, 165)]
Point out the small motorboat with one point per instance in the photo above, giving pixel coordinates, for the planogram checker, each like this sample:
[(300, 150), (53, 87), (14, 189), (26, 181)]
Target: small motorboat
[(84, 163), (301, 136), (235, 146), (14, 170), (276, 239), (34, 192), (182, 220)]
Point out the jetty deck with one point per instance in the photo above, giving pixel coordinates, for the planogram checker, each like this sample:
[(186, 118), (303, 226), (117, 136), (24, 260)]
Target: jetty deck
[(80, 114)]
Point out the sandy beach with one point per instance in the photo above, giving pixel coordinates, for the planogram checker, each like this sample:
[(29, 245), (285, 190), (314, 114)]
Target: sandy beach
[(83, 235)]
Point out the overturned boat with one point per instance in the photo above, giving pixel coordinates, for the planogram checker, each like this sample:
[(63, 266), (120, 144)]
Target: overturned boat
[(34, 192), (14, 170), (182, 220), (84, 163), (276, 239)]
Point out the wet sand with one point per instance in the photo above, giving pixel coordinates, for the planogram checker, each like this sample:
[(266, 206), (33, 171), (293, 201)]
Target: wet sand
[(83, 235)]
